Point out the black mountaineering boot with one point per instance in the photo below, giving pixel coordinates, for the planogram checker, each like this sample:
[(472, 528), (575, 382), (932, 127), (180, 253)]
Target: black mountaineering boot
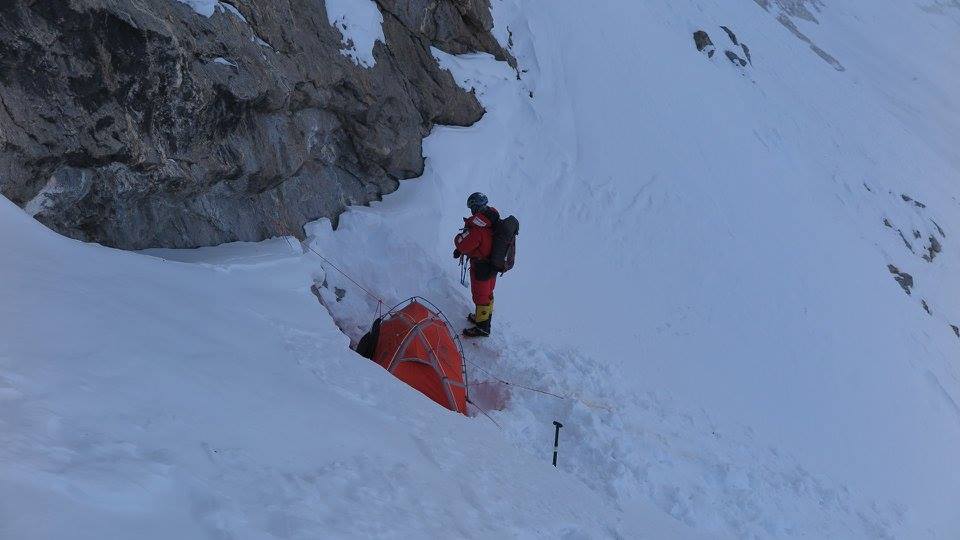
[(476, 331), (479, 330), (481, 321)]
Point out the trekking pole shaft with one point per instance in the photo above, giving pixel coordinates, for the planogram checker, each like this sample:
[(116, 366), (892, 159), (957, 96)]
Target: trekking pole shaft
[(556, 441)]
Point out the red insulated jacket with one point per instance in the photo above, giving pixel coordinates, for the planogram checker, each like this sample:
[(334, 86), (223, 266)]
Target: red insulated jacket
[(476, 240)]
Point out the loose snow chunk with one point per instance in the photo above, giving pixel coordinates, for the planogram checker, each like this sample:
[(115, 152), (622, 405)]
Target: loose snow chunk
[(361, 25), (259, 41), (208, 7), (203, 7), (223, 61), (470, 71), (232, 10)]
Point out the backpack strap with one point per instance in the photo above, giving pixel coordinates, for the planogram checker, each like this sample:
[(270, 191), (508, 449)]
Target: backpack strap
[(492, 215)]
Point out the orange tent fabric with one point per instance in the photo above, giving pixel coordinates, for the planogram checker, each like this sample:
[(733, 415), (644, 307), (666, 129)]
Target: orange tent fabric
[(416, 345)]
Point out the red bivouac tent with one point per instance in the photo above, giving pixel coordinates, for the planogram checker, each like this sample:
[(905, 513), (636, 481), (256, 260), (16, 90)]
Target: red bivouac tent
[(416, 345)]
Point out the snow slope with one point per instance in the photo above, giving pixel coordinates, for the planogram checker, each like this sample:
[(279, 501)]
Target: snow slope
[(704, 256), (703, 281), (145, 398)]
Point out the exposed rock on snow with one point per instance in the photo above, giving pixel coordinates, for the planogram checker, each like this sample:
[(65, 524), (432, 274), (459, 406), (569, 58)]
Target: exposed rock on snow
[(186, 130), (731, 35), (788, 10), (904, 279), (909, 199), (910, 222), (704, 44), (735, 59), (702, 40), (919, 228), (800, 9), (933, 249), (939, 229), (905, 241)]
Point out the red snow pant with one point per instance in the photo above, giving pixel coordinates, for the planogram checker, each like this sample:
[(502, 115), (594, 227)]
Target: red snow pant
[(482, 290)]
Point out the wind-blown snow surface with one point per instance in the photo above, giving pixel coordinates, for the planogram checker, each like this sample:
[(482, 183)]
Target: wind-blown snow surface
[(145, 398), (703, 262), (703, 277)]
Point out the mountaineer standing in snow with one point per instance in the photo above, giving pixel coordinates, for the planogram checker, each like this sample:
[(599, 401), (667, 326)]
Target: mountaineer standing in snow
[(476, 242)]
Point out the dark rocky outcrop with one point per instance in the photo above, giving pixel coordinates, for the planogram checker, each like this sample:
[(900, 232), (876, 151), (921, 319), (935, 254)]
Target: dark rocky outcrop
[(930, 247), (904, 279), (705, 45), (735, 59), (909, 199), (457, 27), (933, 249), (141, 123), (746, 52), (800, 9), (939, 229), (905, 241), (788, 10), (731, 35)]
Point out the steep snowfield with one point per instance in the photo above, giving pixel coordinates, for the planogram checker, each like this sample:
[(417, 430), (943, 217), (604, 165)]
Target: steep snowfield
[(704, 257), (144, 398), (703, 280)]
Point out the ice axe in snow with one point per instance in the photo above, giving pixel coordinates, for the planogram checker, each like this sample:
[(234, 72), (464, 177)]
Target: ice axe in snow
[(463, 270), (556, 441)]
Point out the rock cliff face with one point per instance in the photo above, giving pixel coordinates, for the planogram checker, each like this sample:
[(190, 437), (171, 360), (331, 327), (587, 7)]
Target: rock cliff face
[(143, 123)]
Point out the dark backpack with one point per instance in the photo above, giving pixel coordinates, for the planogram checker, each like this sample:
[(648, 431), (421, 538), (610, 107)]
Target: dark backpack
[(504, 251)]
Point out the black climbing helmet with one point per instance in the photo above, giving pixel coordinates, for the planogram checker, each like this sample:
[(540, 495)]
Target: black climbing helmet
[(477, 202)]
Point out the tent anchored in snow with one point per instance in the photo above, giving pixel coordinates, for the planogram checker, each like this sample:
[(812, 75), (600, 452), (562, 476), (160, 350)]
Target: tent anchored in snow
[(415, 344)]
